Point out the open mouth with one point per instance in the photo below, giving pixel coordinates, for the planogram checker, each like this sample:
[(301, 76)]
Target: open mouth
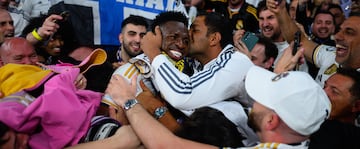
[(136, 47), (176, 54), (341, 50), (9, 35)]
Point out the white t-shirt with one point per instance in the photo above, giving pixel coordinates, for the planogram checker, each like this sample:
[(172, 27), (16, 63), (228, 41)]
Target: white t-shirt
[(35, 8)]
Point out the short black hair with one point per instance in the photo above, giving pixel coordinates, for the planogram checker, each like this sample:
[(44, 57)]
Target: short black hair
[(167, 16), (325, 12), (271, 51), (136, 20), (261, 7), (216, 22), (355, 76), (331, 6), (210, 126)]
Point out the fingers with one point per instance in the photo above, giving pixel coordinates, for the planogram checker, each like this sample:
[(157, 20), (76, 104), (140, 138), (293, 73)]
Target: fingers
[(80, 82), (49, 26), (299, 56), (112, 112)]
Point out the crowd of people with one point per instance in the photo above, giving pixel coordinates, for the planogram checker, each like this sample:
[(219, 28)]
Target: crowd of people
[(172, 84)]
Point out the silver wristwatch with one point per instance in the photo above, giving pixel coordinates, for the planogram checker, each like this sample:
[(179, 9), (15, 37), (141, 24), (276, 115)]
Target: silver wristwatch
[(130, 103), (160, 112)]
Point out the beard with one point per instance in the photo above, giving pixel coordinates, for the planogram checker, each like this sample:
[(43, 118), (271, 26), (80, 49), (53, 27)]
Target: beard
[(129, 52)]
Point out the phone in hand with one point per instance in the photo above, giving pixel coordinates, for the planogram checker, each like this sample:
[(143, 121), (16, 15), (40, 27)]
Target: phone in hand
[(250, 39), (296, 42), (65, 15)]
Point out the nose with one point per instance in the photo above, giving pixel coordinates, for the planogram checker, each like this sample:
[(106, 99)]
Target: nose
[(27, 60), (339, 36), (264, 22), (9, 26)]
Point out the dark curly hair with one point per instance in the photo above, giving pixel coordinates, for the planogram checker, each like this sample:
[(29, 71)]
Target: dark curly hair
[(167, 16)]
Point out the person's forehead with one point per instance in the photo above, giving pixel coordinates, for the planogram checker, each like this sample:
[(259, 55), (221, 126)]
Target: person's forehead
[(133, 27), (199, 20), (266, 13), (352, 22), (175, 26), (4, 16), (323, 16)]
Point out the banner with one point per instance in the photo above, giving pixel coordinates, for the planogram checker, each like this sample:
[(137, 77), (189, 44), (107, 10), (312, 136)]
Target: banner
[(98, 22)]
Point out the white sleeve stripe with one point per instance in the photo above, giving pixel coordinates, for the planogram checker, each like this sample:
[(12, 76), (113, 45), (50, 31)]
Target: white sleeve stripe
[(179, 86), (166, 76)]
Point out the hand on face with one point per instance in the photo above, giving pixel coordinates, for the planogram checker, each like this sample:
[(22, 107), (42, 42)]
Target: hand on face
[(151, 43)]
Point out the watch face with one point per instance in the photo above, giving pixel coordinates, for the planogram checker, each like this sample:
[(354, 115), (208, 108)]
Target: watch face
[(130, 103), (160, 112)]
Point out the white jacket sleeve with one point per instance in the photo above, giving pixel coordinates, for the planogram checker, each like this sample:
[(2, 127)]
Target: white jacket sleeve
[(220, 79)]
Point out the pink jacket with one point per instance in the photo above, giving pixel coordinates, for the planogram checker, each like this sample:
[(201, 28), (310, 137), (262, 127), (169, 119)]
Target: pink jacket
[(59, 117)]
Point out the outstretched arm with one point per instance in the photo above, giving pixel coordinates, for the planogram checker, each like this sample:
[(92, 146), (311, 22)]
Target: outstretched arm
[(288, 27), (151, 133), (48, 28)]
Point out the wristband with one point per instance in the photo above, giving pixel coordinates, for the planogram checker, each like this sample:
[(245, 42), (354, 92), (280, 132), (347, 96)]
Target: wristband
[(36, 35)]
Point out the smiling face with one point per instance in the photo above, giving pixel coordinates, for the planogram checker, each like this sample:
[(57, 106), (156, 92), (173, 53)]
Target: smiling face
[(323, 26), (19, 51), (337, 87), (347, 43), (130, 39), (176, 39), (269, 25), (6, 24), (54, 45)]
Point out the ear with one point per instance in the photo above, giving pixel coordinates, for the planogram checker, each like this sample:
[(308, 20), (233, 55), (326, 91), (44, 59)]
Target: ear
[(214, 39), (272, 121), (120, 37), (269, 62), (356, 107)]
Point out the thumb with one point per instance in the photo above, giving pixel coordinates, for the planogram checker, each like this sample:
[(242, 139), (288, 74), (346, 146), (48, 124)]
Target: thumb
[(157, 30), (299, 54)]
